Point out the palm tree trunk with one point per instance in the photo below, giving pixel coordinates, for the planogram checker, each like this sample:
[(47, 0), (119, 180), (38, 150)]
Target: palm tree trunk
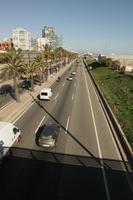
[(16, 93), (40, 80), (42, 76), (32, 83)]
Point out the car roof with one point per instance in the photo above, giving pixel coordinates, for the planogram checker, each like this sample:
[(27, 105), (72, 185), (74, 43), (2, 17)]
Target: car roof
[(50, 129), (45, 89)]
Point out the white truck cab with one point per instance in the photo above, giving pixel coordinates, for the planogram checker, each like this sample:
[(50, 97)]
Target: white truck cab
[(46, 93), (9, 135)]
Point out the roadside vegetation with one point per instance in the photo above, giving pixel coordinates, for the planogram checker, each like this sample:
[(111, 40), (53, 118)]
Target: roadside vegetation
[(118, 91), (16, 67)]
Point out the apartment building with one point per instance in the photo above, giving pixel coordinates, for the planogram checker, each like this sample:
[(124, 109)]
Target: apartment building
[(21, 38), (48, 33)]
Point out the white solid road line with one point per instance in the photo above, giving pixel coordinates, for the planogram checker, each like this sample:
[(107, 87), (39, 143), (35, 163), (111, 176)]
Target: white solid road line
[(118, 153), (23, 112), (2, 108), (40, 124), (67, 124), (114, 142), (56, 96), (98, 144), (73, 96)]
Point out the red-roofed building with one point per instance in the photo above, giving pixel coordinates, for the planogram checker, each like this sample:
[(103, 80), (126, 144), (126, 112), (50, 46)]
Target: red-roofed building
[(5, 45)]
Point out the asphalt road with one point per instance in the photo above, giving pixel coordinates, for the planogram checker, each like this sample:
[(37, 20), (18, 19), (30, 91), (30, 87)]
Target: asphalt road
[(86, 161)]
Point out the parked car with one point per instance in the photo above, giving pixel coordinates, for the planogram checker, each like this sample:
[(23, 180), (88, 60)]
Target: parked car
[(26, 84), (37, 80), (73, 73), (48, 135), (5, 89)]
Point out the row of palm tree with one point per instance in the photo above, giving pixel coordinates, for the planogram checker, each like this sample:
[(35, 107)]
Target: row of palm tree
[(16, 67)]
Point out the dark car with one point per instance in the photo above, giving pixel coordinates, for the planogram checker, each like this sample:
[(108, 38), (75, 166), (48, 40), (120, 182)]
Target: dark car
[(48, 135), (5, 89), (26, 84)]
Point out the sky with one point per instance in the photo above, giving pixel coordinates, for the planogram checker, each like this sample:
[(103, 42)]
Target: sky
[(98, 26)]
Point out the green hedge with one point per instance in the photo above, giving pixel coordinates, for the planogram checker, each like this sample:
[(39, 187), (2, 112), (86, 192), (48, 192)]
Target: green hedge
[(118, 90)]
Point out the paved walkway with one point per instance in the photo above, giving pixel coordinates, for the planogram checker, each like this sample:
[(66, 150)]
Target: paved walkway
[(14, 109)]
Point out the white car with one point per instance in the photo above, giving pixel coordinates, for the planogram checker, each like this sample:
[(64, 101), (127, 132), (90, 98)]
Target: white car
[(73, 73), (46, 93), (9, 135), (70, 78)]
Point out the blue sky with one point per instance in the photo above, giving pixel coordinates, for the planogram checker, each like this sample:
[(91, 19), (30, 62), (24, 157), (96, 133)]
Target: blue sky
[(102, 26)]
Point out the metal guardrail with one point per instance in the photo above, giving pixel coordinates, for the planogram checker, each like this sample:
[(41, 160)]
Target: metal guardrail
[(122, 138)]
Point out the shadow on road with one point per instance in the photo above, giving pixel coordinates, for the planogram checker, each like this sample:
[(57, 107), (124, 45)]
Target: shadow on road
[(100, 161), (31, 174)]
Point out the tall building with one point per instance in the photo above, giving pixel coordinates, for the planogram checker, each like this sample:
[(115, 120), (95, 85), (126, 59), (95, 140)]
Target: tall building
[(21, 39), (48, 32), (58, 41)]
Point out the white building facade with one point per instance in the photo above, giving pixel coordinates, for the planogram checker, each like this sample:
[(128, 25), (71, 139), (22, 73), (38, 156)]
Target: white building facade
[(41, 42), (21, 38), (123, 59)]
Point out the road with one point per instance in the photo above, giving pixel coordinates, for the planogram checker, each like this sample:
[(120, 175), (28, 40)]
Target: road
[(86, 160)]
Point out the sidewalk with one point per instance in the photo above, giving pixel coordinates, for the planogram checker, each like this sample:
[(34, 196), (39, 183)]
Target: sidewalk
[(14, 109)]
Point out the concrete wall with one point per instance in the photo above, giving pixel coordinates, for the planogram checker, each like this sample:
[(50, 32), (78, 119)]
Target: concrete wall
[(124, 59)]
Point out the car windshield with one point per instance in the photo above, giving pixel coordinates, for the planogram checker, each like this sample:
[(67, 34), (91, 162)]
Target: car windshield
[(47, 137)]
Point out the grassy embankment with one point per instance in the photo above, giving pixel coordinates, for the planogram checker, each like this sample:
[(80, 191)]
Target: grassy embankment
[(118, 91)]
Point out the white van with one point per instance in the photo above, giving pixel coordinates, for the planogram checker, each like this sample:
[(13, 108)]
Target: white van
[(46, 93), (9, 135)]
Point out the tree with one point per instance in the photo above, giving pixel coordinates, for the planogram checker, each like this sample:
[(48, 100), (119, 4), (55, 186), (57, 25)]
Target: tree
[(59, 53), (40, 61), (13, 68), (31, 68), (108, 62), (47, 54), (115, 64)]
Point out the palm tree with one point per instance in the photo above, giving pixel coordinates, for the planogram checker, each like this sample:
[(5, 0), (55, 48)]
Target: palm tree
[(59, 55), (47, 54), (13, 68), (40, 61), (115, 64), (56, 56), (31, 68)]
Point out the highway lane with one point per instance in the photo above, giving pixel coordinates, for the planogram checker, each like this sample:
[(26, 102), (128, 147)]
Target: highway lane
[(35, 113), (75, 105)]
